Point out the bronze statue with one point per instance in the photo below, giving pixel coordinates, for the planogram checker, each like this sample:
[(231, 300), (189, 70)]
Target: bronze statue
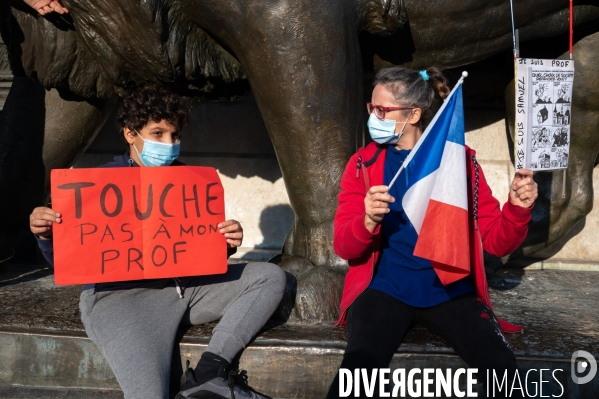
[(304, 62)]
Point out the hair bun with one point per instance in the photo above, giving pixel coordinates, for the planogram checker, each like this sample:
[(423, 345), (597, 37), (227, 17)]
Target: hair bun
[(439, 82)]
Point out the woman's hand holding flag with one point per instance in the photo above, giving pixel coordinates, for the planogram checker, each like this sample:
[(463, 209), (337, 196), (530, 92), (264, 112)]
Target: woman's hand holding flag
[(376, 206)]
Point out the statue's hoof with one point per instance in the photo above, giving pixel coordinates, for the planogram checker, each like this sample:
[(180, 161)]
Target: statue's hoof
[(313, 292)]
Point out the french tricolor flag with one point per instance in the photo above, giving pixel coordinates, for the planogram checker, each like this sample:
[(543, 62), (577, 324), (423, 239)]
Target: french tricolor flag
[(436, 201)]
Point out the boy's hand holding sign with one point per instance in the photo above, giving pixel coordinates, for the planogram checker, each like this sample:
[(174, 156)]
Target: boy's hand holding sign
[(139, 223)]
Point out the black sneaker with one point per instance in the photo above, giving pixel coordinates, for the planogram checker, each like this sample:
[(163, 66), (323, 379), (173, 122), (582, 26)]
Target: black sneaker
[(231, 385)]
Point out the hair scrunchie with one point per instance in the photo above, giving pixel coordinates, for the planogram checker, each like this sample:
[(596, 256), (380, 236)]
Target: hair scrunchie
[(424, 74)]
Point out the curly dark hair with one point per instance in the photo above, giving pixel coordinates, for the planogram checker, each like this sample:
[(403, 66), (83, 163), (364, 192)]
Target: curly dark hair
[(152, 104)]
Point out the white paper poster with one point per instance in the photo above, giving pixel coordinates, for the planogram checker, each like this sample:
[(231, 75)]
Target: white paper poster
[(543, 113)]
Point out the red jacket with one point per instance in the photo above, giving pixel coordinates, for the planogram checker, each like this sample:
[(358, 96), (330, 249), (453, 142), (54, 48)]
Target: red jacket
[(499, 232)]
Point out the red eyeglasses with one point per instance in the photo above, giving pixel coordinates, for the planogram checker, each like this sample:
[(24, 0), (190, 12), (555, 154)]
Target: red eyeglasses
[(380, 111)]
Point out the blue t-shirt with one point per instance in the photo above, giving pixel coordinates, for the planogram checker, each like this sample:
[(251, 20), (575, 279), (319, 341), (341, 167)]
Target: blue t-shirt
[(399, 273)]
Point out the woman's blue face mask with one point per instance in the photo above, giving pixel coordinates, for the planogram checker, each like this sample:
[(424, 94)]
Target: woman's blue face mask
[(156, 153), (383, 131)]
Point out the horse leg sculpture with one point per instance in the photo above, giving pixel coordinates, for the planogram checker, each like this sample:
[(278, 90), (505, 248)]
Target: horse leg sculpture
[(71, 126), (21, 142), (312, 114), (47, 131)]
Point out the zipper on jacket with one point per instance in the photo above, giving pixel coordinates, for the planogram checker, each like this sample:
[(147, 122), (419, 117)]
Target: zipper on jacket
[(360, 165), (366, 178)]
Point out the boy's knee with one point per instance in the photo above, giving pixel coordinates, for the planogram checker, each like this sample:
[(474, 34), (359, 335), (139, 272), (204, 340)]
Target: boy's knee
[(276, 275), (270, 273)]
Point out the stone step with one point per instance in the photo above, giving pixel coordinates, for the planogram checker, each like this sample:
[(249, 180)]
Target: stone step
[(44, 345), (21, 392)]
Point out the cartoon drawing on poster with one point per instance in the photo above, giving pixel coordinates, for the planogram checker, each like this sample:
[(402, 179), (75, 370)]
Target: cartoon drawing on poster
[(542, 94), (560, 137), (562, 157), (540, 138), (544, 160), (563, 94), (543, 113)]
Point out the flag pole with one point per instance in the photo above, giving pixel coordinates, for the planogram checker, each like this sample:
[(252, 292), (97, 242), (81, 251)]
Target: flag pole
[(571, 38), (513, 30), (428, 129)]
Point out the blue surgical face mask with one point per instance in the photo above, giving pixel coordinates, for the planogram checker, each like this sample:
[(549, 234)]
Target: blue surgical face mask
[(383, 131), (156, 153)]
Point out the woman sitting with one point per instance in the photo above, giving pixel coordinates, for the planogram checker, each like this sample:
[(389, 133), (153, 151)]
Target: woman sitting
[(388, 289)]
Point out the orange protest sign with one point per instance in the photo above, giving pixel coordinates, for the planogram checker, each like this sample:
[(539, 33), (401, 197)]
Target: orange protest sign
[(123, 224)]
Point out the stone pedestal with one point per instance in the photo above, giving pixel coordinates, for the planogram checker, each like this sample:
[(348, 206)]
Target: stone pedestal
[(43, 342)]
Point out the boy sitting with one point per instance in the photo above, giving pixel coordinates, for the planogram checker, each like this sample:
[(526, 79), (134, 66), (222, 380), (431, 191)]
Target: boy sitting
[(134, 323)]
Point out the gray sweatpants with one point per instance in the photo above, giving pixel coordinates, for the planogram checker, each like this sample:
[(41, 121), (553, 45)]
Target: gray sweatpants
[(135, 328)]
